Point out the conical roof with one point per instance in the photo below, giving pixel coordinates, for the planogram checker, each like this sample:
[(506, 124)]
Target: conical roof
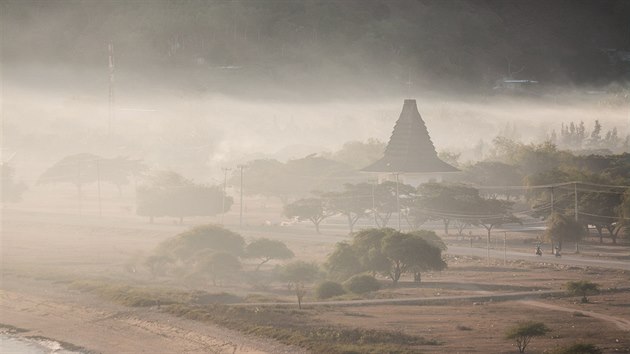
[(410, 148)]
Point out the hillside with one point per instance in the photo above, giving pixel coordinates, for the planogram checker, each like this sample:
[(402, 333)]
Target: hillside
[(354, 45)]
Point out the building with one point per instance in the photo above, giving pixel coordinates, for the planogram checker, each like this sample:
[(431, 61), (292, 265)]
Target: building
[(410, 154)]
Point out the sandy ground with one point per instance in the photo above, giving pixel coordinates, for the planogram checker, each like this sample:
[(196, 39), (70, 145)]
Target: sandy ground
[(52, 311), (40, 242)]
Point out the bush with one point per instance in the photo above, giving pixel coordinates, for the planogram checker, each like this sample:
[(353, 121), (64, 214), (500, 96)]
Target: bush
[(579, 348), (582, 288), (523, 333), (329, 289), (361, 284)]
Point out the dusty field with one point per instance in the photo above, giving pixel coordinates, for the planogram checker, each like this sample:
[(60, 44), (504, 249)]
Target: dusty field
[(39, 246)]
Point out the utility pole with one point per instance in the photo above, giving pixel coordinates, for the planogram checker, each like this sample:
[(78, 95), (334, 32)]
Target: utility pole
[(111, 111), (241, 214), (225, 171), (553, 248), (397, 199), (575, 200), (374, 182)]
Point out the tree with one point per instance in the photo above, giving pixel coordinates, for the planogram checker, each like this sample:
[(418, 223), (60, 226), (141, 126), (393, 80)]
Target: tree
[(393, 253), (75, 169), (343, 262), (312, 209), (523, 333), (185, 246), (407, 252), (157, 263), (582, 288), (11, 190), (169, 194), (358, 154), (297, 274), (494, 173), (494, 212), (443, 201), (80, 169), (385, 200), (219, 265), (266, 250), (354, 202), (295, 178), (561, 228)]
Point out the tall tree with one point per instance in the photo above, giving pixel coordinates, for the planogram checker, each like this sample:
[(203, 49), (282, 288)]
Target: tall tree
[(266, 250), (562, 228), (169, 194), (393, 253), (494, 212), (443, 201), (313, 209), (354, 202)]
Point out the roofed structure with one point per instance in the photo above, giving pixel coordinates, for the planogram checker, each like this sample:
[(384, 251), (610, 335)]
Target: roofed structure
[(410, 149)]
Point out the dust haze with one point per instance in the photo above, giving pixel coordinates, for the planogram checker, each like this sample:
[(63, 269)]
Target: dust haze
[(173, 169)]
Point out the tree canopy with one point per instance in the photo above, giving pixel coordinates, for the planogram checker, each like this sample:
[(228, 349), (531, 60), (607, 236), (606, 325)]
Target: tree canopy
[(186, 245), (266, 250), (169, 194), (388, 252), (313, 209)]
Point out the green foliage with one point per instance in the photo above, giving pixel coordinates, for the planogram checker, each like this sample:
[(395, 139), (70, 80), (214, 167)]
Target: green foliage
[(494, 173), (312, 209), (343, 262), (441, 201), (385, 200), (562, 228), (170, 194), (389, 252), (431, 237), (523, 333), (329, 289), (266, 250), (358, 154), (300, 271), (158, 263), (218, 265), (85, 168), (11, 190), (582, 288), (297, 274), (579, 348), (361, 284), (293, 178), (354, 201), (186, 245)]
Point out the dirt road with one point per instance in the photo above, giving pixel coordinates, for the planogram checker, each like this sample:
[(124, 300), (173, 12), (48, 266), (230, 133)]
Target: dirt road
[(621, 323)]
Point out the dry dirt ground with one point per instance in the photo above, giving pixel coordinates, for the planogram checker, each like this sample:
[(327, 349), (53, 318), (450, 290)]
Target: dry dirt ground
[(40, 244)]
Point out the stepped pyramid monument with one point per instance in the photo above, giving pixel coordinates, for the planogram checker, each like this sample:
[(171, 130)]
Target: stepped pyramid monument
[(410, 152)]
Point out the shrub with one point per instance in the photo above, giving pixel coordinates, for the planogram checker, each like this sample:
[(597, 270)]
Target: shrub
[(523, 333), (329, 289), (362, 283), (579, 348), (582, 288)]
